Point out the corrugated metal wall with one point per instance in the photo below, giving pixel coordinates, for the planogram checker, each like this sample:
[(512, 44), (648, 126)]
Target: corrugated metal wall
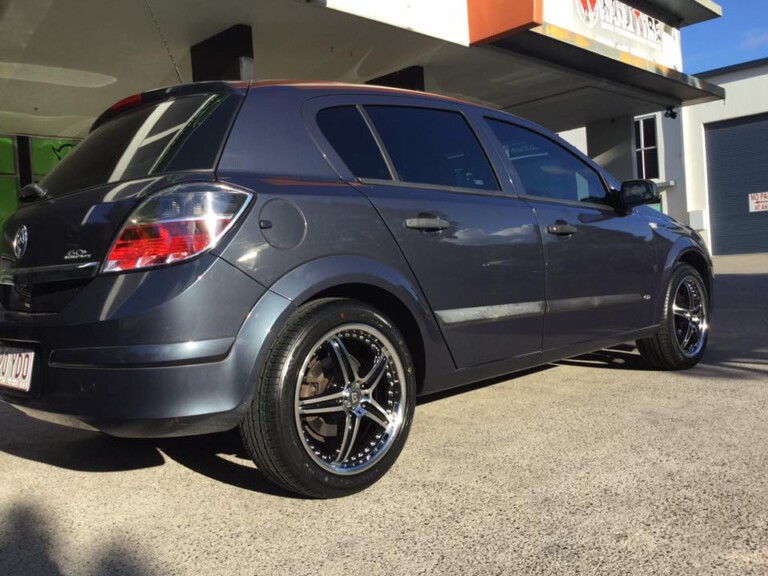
[(737, 165)]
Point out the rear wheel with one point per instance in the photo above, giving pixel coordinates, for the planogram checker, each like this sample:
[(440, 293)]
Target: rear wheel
[(684, 329), (333, 407)]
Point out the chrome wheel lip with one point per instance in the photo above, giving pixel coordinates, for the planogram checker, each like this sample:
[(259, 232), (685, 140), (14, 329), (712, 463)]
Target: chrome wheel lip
[(351, 400), (692, 337)]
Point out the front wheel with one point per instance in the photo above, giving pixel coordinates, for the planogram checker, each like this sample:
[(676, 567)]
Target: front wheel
[(684, 328), (333, 407)]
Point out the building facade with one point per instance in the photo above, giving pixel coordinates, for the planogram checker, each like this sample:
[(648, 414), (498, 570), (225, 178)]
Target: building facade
[(566, 64), (725, 161)]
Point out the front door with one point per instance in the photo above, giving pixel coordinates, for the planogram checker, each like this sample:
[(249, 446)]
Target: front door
[(600, 266)]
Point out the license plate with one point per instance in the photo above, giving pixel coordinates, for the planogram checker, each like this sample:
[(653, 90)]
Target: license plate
[(16, 367)]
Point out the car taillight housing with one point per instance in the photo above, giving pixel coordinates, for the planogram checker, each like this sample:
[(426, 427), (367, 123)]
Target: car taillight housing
[(175, 225)]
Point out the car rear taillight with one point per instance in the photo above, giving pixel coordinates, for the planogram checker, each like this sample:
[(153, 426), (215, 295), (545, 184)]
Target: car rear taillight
[(175, 225)]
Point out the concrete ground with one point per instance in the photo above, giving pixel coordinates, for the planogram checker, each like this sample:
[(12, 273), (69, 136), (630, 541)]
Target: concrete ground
[(592, 466)]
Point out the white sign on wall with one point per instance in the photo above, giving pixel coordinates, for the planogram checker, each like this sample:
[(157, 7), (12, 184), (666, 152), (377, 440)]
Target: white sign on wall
[(617, 25), (758, 202)]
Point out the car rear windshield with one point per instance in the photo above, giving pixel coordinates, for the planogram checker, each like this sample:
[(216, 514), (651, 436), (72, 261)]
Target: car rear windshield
[(184, 133)]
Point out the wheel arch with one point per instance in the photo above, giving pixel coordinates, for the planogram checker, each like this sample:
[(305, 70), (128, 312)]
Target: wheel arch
[(394, 309), (696, 259), (380, 286), (685, 250)]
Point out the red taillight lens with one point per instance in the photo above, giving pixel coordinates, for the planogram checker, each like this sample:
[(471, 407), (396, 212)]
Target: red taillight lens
[(176, 225)]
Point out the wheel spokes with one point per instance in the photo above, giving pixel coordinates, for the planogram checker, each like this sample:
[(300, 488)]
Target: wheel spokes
[(343, 359), (687, 337), (372, 379), (682, 311), (351, 427), (322, 404), (352, 419), (375, 412)]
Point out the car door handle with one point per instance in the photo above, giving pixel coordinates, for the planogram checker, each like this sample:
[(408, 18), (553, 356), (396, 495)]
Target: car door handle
[(562, 229), (427, 223)]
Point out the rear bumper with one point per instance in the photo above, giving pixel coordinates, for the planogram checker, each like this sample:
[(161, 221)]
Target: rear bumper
[(175, 357)]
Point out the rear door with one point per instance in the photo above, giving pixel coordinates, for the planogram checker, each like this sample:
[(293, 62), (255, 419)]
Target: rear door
[(601, 266), (476, 253)]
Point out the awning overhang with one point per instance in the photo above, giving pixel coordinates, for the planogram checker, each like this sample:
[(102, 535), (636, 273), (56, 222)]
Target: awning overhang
[(563, 48), (681, 13)]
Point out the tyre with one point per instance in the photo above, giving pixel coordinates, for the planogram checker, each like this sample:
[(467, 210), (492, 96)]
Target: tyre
[(684, 327), (333, 407)]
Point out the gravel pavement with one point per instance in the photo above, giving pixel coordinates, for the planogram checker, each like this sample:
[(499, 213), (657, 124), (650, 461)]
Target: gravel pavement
[(591, 466)]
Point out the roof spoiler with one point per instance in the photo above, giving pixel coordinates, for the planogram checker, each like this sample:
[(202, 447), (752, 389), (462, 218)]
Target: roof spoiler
[(160, 94)]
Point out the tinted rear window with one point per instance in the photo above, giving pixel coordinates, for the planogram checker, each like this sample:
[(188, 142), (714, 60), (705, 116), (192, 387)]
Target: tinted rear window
[(347, 132), (432, 147), (184, 133)]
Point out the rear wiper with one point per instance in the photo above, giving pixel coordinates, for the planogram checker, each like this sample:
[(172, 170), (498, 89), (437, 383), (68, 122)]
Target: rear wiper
[(32, 192)]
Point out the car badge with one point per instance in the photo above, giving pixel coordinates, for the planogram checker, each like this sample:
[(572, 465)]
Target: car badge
[(20, 242), (77, 254)]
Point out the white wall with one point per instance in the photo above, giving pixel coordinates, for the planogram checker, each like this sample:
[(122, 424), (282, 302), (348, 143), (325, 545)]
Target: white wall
[(671, 166), (576, 138), (446, 19), (746, 95)]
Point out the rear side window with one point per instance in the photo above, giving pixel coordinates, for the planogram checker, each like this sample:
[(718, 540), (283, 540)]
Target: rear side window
[(547, 169), (432, 147), (349, 135), (184, 133)]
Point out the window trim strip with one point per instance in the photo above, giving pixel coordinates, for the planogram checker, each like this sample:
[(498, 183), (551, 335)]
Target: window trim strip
[(379, 142)]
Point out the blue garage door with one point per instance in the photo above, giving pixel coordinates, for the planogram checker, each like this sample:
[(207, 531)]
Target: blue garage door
[(737, 166)]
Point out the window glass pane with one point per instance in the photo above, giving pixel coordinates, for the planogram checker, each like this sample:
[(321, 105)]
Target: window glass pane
[(176, 134), (546, 168), (46, 153), (649, 132), (7, 155), (640, 167), (433, 147), (638, 141), (347, 132), (651, 163)]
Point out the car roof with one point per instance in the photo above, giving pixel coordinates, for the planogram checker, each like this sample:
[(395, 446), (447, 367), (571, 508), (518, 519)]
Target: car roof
[(349, 87)]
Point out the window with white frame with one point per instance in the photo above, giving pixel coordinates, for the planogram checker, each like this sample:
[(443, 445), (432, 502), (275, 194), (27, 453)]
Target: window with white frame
[(646, 148)]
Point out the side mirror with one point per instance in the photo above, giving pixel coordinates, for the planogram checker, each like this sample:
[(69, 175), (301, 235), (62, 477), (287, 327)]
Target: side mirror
[(637, 192)]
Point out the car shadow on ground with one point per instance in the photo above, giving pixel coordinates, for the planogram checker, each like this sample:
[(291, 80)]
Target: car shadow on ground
[(621, 357), (217, 456), (70, 448), (221, 457)]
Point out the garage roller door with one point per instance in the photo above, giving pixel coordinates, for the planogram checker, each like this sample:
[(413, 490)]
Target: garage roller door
[(737, 166)]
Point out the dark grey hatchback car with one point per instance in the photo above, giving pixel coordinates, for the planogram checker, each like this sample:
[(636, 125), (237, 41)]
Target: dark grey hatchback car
[(302, 260)]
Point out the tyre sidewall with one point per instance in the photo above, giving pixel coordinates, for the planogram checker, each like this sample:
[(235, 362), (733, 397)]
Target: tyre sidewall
[(674, 350)]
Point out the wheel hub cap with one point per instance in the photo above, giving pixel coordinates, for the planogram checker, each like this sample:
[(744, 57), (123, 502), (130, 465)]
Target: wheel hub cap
[(352, 396)]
